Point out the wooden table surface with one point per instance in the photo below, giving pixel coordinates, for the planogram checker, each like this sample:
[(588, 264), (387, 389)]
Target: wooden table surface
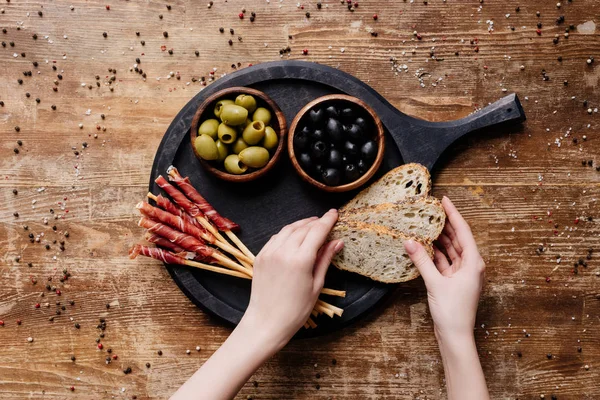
[(82, 167)]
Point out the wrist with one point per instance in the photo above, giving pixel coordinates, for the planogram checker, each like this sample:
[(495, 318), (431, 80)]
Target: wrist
[(455, 342), (260, 334)]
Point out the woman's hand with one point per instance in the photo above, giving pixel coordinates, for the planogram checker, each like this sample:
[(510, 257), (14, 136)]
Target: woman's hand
[(454, 280), (289, 273)]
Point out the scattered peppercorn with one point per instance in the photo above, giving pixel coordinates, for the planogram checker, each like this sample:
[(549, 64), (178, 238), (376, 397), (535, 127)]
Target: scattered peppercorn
[(147, 365), (77, 326), (104, 34), (230, 42), (197, 53), (20, 81), (169, 7), (166, 34), (171, 51), (160, 353), (53, 107)]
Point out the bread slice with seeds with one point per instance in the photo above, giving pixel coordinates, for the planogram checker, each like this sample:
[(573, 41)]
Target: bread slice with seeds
[(407, 180), (420, 217), (375, 251)]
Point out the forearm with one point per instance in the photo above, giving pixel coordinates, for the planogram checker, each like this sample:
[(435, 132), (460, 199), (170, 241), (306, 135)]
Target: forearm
[(464, 376), (230, 367)]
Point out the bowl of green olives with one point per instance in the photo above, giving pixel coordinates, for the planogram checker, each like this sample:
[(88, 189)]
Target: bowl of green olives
[(336, 143), (238, 134)]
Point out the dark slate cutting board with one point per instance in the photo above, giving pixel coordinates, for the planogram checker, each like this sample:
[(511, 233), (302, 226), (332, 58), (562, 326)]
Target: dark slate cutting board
[(264, 206)]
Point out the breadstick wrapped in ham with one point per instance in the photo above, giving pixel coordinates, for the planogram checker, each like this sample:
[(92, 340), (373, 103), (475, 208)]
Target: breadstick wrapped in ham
[(191, 193), (190, 243), (180, 258), (185, 226), (168, 206)]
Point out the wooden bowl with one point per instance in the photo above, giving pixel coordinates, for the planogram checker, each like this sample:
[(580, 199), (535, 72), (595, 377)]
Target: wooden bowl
[(205, 111), (379, 138)]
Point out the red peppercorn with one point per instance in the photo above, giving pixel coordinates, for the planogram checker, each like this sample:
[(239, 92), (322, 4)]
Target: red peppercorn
[(37, 305), (375, 17), (114, 357), (538, 31), (58, 292), (1, 323), (72, 388), (18, 322), (576, 220), (548, 279), (419, 36), (100, 346), (241, 15), (107, 7), (305, 51)]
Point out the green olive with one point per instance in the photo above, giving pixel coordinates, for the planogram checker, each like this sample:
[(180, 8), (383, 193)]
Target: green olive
[(262, 114), (254, 132), (222, 149), (233, 165), (270, 140), (246, 101), (209, 127), (227, 134), (206, 147), (254, 156), (219, 106), (238, 146), (233, 115)]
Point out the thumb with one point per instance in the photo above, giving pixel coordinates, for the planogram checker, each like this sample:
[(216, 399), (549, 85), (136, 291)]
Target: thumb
[(422, 261), (323, 261)]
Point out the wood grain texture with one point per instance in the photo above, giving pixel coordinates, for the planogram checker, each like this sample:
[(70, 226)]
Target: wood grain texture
[(512, 188)]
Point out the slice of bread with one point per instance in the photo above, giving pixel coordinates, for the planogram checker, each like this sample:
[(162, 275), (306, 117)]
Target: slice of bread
[(420, 217), (407, 180), (374, 251)]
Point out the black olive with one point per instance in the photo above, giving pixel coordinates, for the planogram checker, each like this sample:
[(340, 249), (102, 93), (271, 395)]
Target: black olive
[(305, 161), (301, 140), (332, 112), (355, 133), (334, 130), (368, 151), (351, 173), (317, 135), (350, 149), (317, 172), (316, 116), (318, 150), (332, 176), (334, 159), (347, 114), (361, 122), (362, 166)]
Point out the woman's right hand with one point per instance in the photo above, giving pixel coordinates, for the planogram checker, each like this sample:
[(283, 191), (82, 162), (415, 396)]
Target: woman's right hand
[(454, 278)]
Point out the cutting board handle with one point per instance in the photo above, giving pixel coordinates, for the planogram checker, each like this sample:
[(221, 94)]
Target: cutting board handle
[(424, 142)]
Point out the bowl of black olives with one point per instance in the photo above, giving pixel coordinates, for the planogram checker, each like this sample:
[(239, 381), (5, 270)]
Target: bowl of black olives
[(238, 134), (336, 143)]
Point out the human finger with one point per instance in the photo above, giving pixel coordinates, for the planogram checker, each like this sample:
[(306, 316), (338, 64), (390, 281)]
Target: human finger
[(420, 258), (461, 227), (324, 257), (451, 233), (288, 230), (440, 260), (449, 247), (318, 231)]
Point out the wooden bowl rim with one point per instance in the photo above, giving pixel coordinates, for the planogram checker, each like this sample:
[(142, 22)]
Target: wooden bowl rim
[(380, 142), (281, 133)]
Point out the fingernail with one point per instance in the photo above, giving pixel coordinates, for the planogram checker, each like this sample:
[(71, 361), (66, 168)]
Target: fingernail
[(410, 246), (339, 246)]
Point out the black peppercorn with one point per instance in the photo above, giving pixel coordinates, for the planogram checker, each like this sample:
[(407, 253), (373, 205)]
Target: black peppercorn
[(230, 42), (137, 60), (27, 95), (20, 81), (519, 354), (168, 7), (40, 13), (231, 30), (197, 53), (319, 5), (53, 107), (17, 128), (147, 365), (160, 16), (12, 44), (77, 326), (104, 34), (549, 356), (170, 51), (143, 42), (15, 192), (37, 100), (166, 34), (252, 18), (34, 36), (160, 353), (20, 142), (73, 358), (334, 361), (47, 247), (16, 214), (307, 15)]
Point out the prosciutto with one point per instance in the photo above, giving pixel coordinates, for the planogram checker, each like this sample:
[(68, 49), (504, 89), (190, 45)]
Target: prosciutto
[(186, 187), (168, 206), (178, 197), (181, 239), (156, 253)]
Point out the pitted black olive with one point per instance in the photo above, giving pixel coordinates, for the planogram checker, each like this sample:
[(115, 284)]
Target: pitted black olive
[(318, 151), (332, 112), (351, 173), (332, 176), (334, 130), (316, 116), (368, 151)]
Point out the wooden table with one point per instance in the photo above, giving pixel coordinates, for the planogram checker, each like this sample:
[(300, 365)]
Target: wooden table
[(82, 167)]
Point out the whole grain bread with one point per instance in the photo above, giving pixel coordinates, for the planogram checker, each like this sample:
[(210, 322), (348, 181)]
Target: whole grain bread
[(419, 217), (407, 180), (375, 251)]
